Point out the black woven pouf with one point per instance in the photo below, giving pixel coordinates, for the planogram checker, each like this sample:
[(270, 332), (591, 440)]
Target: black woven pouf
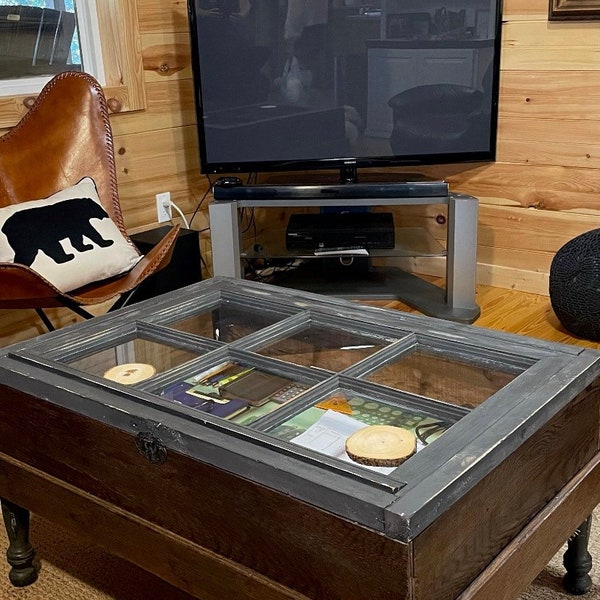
[(575, 285)]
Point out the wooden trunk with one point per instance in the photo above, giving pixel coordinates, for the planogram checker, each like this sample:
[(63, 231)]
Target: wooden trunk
[(222, 511)]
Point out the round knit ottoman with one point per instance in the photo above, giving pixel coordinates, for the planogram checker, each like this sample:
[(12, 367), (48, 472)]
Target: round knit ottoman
[(575, 285)]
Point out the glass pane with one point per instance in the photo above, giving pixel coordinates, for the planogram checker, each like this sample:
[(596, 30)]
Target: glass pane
[(133, 361), (326, 426), (325, 347), (227, 322), (235, 391), (442, 378), (37, 38)]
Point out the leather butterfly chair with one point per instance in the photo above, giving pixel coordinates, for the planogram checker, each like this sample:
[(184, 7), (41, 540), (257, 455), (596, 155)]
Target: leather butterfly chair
[(64, 137)]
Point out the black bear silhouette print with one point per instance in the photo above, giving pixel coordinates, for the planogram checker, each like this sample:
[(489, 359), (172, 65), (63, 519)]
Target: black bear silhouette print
[(42, 228)]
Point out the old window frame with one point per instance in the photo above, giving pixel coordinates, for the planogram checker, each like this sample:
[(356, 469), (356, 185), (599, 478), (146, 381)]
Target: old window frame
[(119, 33)]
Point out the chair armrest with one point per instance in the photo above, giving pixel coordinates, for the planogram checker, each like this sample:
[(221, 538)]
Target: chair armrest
[(22, 287), (151, 263), (158, 258)]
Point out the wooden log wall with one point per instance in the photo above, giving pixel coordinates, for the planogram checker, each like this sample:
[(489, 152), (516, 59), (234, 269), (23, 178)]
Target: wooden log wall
[(543, 189)]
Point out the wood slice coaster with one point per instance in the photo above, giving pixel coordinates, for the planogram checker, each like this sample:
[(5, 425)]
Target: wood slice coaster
[(130, 373), (381, 445)]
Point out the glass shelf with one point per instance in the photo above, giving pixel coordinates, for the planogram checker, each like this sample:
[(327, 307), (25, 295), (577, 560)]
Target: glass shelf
[(410, 242)]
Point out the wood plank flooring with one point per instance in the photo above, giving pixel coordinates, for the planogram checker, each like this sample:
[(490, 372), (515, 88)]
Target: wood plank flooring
[(514, 312), (501, 309)]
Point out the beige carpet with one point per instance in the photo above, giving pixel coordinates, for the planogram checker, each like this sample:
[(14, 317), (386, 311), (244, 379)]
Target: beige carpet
[(72, 570)]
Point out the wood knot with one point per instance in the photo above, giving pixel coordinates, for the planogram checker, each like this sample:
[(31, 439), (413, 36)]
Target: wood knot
[(164, 68), (114, 105), (28, 102)]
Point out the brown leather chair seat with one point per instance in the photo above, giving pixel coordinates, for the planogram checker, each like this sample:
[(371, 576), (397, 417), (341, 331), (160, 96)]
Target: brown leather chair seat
[(64, 137)]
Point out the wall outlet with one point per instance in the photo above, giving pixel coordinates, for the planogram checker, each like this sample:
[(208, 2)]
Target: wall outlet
[(163, 207)]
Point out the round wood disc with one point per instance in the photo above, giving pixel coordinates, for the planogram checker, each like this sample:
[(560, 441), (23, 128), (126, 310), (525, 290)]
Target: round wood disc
[(381, 445), (130, 373)]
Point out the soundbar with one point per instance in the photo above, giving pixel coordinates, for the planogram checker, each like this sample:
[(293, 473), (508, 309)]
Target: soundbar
[(404, 189)]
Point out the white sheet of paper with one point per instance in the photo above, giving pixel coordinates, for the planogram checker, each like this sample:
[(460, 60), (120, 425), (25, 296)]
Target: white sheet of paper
[(328, 436)]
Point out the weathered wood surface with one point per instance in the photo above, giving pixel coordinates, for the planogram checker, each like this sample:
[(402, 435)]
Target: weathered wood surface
[(452, 551), (231, 524)]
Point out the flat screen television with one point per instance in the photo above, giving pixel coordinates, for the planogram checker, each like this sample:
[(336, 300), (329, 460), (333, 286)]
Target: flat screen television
[(336, 84)]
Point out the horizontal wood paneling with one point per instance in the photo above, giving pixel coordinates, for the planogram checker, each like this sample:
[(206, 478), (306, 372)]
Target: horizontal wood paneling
[(154, 154), (506, 228), (543, 189), (525, 9), (510, 184), (573, 95), (541, 34), (161, 97), (577, 133), (159, 16)]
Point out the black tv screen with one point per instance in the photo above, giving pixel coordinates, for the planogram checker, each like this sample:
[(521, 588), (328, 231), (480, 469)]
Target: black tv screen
[(307, 84)]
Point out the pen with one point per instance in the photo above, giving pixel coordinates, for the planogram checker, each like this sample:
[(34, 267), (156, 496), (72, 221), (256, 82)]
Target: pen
[(234, 377)]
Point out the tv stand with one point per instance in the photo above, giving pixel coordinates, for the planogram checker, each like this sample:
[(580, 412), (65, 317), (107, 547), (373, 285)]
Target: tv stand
[(456, 301)]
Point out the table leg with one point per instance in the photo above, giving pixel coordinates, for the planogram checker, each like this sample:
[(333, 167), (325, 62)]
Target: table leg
[(578, 561), (20, 552)]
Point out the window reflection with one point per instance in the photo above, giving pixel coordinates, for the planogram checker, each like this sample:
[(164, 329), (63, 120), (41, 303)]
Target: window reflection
[(37, 38)]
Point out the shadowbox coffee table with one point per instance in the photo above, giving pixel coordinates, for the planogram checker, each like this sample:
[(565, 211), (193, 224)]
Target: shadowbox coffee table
[(202, 435)]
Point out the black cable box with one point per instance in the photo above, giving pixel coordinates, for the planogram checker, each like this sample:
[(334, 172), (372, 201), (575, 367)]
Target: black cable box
[(370, 230), (394, 189)]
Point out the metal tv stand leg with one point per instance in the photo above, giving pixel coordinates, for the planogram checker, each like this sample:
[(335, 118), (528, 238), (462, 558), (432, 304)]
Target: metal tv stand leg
[(456, 301), (461, 261), (225, 239)]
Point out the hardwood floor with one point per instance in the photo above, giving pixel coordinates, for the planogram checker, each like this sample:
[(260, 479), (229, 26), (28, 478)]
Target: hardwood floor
[(501, 309), (515, 312)]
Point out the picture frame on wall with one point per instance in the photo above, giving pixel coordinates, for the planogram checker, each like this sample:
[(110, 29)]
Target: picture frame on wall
[(573, 10)]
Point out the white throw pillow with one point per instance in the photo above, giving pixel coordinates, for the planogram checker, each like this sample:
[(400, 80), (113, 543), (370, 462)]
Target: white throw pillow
[(68, 238)]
